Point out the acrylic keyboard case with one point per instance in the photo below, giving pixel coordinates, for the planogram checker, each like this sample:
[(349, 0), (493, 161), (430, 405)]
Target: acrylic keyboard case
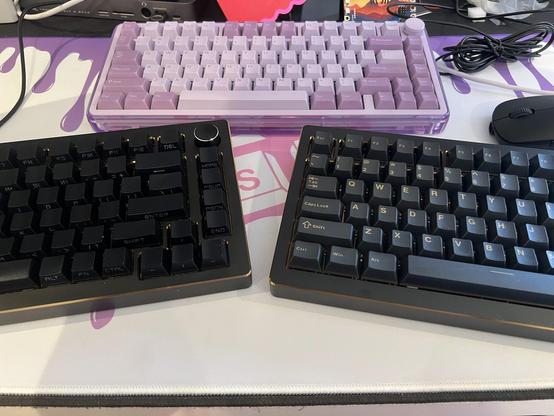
[(284, 75), (379, 293), (155, 238)]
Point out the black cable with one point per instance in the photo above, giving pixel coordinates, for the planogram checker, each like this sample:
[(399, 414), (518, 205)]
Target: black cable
[(21, 98)]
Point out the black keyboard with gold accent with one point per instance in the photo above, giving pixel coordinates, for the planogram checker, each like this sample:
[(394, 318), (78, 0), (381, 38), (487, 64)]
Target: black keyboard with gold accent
[(117, 219), (450, 232)]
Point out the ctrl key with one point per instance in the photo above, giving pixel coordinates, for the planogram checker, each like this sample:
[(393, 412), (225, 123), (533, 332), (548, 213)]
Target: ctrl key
[(17, 275), (54, 271), (306, 256)]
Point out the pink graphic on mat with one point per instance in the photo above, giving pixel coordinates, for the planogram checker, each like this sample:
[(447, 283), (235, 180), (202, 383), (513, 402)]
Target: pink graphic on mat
[(257, 10)]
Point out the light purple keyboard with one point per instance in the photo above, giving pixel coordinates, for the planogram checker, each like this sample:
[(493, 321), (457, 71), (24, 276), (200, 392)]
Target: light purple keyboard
[(368, 75)]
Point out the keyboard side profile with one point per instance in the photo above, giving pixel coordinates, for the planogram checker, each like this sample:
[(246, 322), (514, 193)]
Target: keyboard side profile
[(117, 219), (280, 75), (450, 232)]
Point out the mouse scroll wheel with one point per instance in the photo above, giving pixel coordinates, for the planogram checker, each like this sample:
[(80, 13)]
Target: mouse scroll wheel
[(522, 113)]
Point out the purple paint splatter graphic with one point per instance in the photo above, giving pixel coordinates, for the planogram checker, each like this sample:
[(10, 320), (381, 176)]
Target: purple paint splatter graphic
[(99, 319)]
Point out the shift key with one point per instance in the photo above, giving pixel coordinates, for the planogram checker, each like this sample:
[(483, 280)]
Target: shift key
[(321, 186), (325, 232)]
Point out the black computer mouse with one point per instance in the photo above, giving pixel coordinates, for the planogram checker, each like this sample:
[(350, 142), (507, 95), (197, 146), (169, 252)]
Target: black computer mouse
[(525, 121)]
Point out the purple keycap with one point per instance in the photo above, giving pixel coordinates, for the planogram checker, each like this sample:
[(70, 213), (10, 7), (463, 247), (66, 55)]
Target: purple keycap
[(344, 85), (419, 71), (190, 57), (163, 44), (308, 57), (239, 43), (378, 43), (273, 71), (325, 85), (221, 43), (259, 43), (182, 43), (350, 101), (336, 43), (171, 30), (159, 85), (333, 71), (427, 100), (402, 84), (390, 28), (393, 57), (201, 84), (323, 101), (383, 101), (221, 84), (126, 85), (152, 29), (126, 58), (327, 57), (253, 71), (385, 71), (311, 28), (413, 26), (347, 29), (347, 57), (111, 101), (232, 71), (278, 43), (413, 43), (288, 29), (304, 84), (297, 43), (138, 101), (353, 71), (143, 43), (368, 29), (250, 29), (125, 71), (152, 72), (130, 28), (415, 57), (201, 43), (313, 71), (213, 71), (366, 57), (229, 57), (316, 43), (242, 84), (180, 85), (262, 84), (423, 84), (283, 84), (208, 29), (243, 100), (405, 100), (192, 71), (288, 57), (151, 58), (373, 85), (330, 28), (269, 29), (268, 57), (248, 57), (170, 57), (355, 43), (125, 43), (209, 57), (231, 29), (190, 29), (172, 72), (293, 71)]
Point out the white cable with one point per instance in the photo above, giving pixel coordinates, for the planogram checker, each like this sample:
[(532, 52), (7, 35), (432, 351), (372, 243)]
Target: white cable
[(48, 13), (443, 68)]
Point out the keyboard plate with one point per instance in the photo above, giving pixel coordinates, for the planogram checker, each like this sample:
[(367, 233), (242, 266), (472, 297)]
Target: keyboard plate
[(122, 291), (400, 301)]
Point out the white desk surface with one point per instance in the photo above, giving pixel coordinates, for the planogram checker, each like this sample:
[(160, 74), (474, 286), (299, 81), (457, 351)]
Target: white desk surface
[(248, 341)]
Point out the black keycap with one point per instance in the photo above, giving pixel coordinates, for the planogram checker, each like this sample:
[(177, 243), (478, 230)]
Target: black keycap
[(85, 266), (170, 142), (116, 167), (343, 262), (460, 250), (7, 157), (3, 223), (523, 211), (534, 236), (522, 258), (543, 166), (353, 146), (9, 180), (358, 214), (507, 186), (516, 163), (63, 242), (546, 214), (109, 212), (488, 160), (409, 197), (7, 249), (54, 271), (117, 262), (378, 149), (59, 151), (478, 182), (325, 232), (136, 233), (63, 173), (477, 280), (214, 253), (401, 243), (535, 189), (90, 170), (404, 151), (131, 187), (444, 225), (318, 164), (436, 200), (208, 156), (381, 194), (75, 194), (84, 148), (323, 142), (371, 239), (465, 204), (214, 197), (80, 216), (321, 186), (504, 232), (19, 201), (494, 208), (154, 262), (23, 223), (211, 177), (217, 222), (429, 154), (183, 232), (397, 173), (92, 238), (354, 190), (33, 245), (322, 208), (381, 267), (461, 157), (30, 155), (344, 167), (161, 206), (160, 162), (138, 145), (104, 191), (424, 176), (547, 262), (431, 246), (491, 254), (112, 145), (473, 228), (17, 275), (306, 256), (48, 198), (370, 170), (386, 218), (183, 258), (415, 221), (451, 179), (37, 177)]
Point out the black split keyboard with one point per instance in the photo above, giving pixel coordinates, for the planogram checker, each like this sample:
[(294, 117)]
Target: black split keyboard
[(117, 219), (451, 232)]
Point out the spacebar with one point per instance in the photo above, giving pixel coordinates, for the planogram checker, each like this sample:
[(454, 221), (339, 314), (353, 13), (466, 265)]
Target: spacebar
[(482, 281), (243, 100)]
